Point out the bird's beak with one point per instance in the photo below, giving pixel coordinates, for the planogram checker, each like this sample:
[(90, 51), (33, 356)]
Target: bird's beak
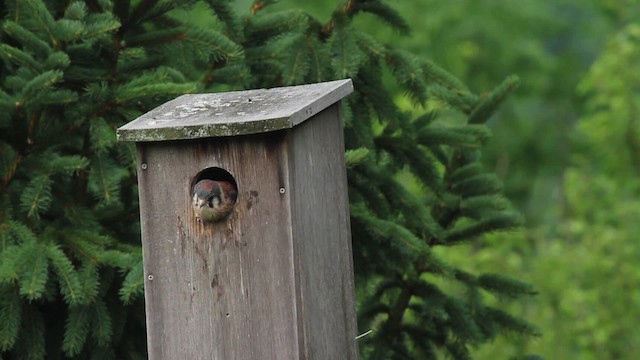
[(201, 203)]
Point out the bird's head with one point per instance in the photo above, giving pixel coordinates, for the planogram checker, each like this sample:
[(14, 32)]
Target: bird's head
[(206, 193)]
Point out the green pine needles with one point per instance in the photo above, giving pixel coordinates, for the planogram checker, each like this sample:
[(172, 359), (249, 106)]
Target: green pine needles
[(71, 280)]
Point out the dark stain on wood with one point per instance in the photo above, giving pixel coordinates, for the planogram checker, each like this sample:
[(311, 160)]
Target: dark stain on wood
[(217, 286)]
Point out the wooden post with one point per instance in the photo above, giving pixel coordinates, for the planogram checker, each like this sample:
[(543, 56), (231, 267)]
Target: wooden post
[(274, 280)]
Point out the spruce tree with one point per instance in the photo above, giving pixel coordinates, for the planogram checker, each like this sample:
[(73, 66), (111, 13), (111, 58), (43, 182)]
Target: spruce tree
[(73, 71)]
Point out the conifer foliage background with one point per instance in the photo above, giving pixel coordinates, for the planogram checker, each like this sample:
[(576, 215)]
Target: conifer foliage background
[(73, 71)]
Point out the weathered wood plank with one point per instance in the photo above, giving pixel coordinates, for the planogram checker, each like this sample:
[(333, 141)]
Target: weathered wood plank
[(218, 291), (322, 238), (197, 116)]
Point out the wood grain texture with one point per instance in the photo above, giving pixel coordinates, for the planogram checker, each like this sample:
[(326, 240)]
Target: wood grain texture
[(226, 290), (273, 281), (195, 116), (322, 238)]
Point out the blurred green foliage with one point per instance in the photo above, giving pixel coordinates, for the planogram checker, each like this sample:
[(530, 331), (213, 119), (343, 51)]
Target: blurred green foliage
[(567, 146)]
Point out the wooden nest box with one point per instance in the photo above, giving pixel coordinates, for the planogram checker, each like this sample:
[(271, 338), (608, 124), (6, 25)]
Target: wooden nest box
[(274, 279)]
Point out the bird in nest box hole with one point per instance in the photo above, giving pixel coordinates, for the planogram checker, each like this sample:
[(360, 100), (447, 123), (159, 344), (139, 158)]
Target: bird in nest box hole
[(213, 200)]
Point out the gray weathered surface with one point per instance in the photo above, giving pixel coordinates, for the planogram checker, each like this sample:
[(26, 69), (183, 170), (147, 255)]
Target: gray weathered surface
[(322, 238), (197, 116), (275, 280), (226, 290)]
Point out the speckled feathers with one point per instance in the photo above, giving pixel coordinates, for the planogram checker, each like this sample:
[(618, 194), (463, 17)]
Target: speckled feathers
[(213, 200)]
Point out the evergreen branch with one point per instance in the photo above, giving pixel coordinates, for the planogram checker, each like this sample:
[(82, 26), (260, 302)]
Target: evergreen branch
[(370, 45), (375, 98), (510, 324), (19, 233), (477, 207), (417, 215), (420, 162), (461, 100), (483, 184), (79, 241), (11, 159), (81, 217), (212, 45), (12, 55), (28, 39), (89, 280), (458, 350), (384, 13), (102, 135), (145, 92), (133, 284), (494, 222), (36, 196), (409, 73), (101, 324), (10, 318), (419, 338), (227, 15), (37, 10), (387, 284), (76, 330), (397, 312), (100, 24), (504, 286), (461, 321), (397, 236), (464, 172), (76, 11), (9, 265), (39, 84), (373, 309), (139, 11), (124, 261), (35, 271), (261, 4), (59, 97), (370, 193), (102, 183), (346, 55), (67, 276), (158, 12), (69, 31), (57, 61), (295, 62), (452, 136), (442, 77), (425, 119), (353, 157), (32, 334), (488, 105), (68, 164), (429, 292), (263, 27), (156, 37)]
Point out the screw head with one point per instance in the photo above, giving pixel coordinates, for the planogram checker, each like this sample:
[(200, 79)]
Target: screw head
[(144, 166), (282, 190)]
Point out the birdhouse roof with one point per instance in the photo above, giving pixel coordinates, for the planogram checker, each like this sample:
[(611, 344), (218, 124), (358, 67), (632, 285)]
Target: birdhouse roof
[(195, 116)]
